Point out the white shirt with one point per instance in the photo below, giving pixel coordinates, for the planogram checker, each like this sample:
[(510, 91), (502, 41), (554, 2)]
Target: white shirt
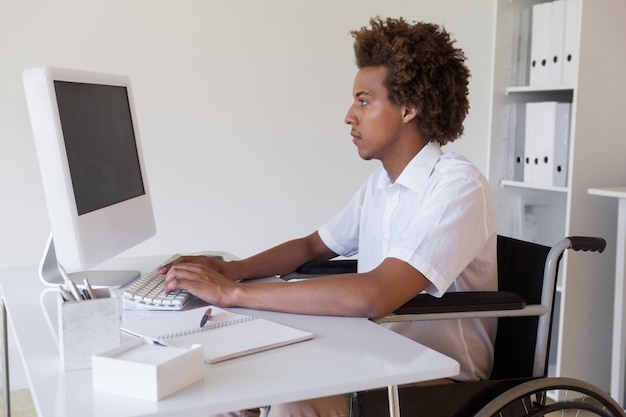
[(438, 217)]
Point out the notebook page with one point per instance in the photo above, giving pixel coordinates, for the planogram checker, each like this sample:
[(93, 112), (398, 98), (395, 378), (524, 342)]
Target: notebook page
[(226, 335)]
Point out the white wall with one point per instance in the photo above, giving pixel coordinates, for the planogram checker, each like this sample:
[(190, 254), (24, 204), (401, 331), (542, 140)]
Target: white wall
[(240, 107)]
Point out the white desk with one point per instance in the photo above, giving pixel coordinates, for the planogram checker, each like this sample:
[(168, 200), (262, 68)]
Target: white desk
[(618, 355), (346, 355)]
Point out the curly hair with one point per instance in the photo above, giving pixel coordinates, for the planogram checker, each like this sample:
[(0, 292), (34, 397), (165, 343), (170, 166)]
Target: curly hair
[(424, 70)]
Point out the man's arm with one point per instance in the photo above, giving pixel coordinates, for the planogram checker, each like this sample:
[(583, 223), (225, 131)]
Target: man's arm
[(279, 260), (284, 258), (371, 294)]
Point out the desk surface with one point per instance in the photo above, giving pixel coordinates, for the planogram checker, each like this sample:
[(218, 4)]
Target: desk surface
[(617, 192), (346, 355)]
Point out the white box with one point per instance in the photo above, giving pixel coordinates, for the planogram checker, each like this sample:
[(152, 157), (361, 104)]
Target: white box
[(87, 327), (145, 370)]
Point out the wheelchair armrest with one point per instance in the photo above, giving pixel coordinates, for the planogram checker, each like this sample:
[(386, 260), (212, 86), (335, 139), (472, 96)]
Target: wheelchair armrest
[(464, 305), (314, 269), (332, 267), (453, 302), (424, 304)]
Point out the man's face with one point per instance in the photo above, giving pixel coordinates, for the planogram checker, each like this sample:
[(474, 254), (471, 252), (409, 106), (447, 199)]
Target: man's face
[(376, 123)]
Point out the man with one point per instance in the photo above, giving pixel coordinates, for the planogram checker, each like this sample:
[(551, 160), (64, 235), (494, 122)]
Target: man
[(422, 222)]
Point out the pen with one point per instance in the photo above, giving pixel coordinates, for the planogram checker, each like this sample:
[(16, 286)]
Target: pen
[(205, 317), (74, 290), (67, 296), (69, 283), (89, 290)]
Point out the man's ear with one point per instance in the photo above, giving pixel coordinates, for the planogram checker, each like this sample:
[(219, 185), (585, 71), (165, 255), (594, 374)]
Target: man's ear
[(408, 114)]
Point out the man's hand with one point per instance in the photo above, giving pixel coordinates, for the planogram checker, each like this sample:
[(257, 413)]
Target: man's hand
[(205, 277)]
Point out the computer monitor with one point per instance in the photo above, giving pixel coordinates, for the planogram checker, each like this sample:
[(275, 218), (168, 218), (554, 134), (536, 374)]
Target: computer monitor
[(85, 130)]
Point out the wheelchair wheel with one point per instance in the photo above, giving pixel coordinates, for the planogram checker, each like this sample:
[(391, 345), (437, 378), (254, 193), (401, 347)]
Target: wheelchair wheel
[(560, 396)]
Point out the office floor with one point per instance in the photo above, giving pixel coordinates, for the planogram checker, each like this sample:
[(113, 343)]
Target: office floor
[(21, 404)]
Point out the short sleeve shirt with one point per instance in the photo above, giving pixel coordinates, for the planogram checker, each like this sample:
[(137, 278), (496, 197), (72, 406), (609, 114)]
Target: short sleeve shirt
[(438, 217)]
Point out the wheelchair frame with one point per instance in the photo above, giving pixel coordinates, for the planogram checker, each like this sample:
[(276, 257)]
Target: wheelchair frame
[(516, 397)]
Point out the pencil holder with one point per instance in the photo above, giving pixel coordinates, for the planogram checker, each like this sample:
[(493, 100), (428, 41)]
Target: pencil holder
[(87, 327)]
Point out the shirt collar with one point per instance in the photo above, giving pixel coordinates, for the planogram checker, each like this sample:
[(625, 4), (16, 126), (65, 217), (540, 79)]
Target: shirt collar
[(417, 170)]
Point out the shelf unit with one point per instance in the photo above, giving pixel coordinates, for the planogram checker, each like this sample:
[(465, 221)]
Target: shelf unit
[(582, 332)]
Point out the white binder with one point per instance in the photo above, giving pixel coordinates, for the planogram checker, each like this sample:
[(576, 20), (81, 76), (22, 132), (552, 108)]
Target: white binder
[(531, 145), (547, 143), (545, 113), (557, 43), (517, 127), (562, 117), (521, 47), (540, 43), (571, 41)]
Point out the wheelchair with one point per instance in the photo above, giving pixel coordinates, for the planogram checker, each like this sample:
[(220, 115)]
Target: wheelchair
[(518, 385)]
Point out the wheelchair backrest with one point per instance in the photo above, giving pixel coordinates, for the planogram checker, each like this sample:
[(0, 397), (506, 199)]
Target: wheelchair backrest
[(520, 270)]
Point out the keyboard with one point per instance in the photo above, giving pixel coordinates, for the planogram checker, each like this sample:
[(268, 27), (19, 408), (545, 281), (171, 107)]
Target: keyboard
[(146, 293)]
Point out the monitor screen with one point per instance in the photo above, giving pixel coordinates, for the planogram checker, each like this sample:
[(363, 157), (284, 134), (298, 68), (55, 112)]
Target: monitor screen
[(100, 144), (89, 151)]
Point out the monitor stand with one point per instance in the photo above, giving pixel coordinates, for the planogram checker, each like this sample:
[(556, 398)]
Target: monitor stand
[(51, 276)]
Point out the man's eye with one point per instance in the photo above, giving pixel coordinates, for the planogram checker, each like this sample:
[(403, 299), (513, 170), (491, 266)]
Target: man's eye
[(363, 102)]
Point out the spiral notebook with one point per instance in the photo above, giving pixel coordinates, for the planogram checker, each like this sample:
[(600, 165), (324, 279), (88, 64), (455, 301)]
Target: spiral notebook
[(226, 335)]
